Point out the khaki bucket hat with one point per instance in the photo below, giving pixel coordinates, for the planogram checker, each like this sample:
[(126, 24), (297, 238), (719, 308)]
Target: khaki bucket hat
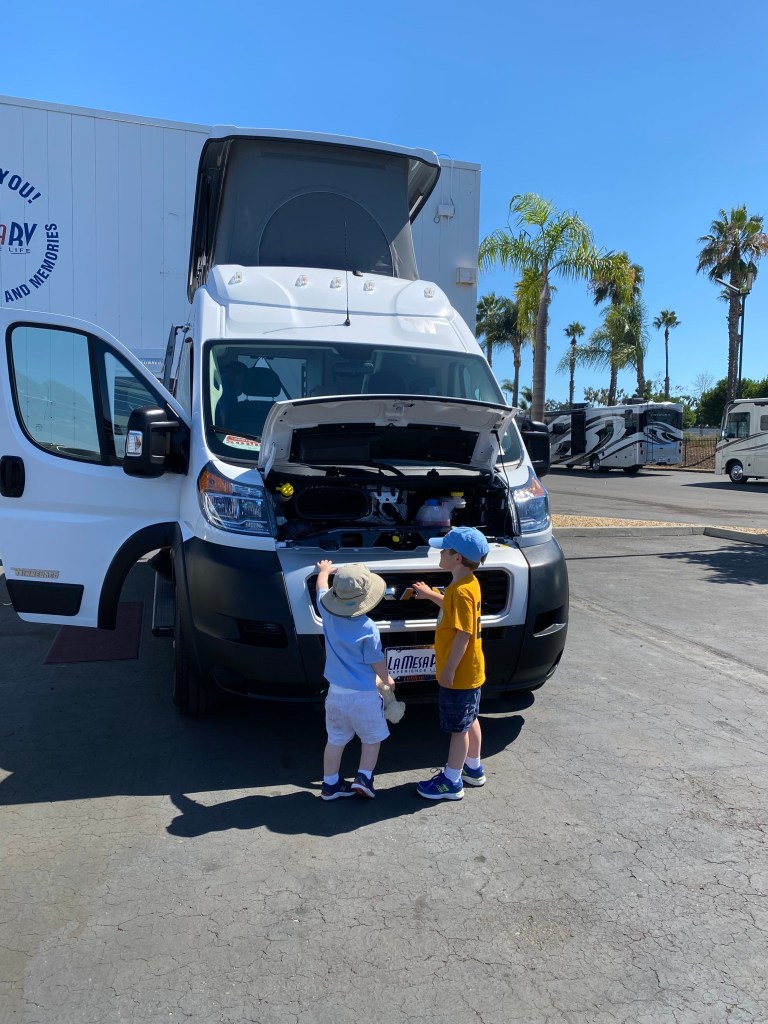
[(355, 590)]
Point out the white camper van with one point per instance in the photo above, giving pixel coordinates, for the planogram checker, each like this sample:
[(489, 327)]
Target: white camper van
[(624, 437), (742, 450), (321, 401)]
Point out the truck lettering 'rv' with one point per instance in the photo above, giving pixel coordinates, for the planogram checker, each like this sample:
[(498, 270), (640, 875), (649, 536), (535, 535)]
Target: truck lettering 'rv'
[(321, 401), (617, 437), (742, 450)]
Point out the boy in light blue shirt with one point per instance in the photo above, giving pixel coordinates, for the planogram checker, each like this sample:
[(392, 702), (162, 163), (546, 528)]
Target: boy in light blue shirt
[(354, 659)]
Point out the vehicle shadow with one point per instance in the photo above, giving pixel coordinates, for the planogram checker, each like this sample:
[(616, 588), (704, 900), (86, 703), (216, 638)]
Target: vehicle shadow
[(83, 731), (743, 564), (722, 483)]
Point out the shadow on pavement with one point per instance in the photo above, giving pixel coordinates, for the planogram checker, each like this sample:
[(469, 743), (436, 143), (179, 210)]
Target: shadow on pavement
[(738, 564), (722, 483), (100, 729)]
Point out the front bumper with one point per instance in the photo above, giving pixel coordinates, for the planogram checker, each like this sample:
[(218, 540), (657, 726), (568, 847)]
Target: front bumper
[(255, 631)]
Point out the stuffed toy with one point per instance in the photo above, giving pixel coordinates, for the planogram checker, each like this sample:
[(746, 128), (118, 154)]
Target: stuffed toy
[(394, 709)]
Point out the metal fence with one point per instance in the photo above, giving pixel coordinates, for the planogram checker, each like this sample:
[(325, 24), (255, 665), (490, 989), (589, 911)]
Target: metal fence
[(699, 451)]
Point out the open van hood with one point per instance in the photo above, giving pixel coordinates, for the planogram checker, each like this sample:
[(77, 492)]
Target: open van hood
[(368, 430)]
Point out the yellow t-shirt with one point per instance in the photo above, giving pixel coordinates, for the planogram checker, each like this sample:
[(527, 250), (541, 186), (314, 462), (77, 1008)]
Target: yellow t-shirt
[(461, 610)]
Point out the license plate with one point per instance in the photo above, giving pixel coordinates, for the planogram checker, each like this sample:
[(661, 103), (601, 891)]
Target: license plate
[(411, 664)]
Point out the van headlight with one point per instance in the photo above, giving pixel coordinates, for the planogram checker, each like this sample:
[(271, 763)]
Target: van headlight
[(237, 508), (531, 502)]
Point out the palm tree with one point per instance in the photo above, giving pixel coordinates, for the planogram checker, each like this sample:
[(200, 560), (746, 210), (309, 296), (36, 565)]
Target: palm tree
[(621, 290), (547, 243), (485, 322), (629, 322), (573, 331), (498, 323), (732, 250), (619, 343), (668, 320), (508, 386)]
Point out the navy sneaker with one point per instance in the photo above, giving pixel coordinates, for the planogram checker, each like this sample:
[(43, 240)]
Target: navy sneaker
[(363, 786), (473, 776), (340, 788), (440, 787)]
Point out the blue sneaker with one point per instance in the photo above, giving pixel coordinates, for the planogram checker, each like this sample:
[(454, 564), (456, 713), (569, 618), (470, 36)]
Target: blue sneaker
[(363, 786), (340, 788), (440, 787), (473, 776)]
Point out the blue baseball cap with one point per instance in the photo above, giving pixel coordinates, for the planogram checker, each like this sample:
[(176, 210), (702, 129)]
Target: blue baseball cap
[(466, 540)]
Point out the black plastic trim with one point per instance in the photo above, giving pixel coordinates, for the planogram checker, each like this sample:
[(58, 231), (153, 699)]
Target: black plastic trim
[(158, 535), (33, 598)]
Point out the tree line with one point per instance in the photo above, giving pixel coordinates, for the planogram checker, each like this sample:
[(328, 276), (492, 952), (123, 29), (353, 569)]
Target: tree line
[(541, 244)]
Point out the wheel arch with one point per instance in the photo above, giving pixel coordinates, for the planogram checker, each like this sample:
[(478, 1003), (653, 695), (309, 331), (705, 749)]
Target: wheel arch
[(158, 535)]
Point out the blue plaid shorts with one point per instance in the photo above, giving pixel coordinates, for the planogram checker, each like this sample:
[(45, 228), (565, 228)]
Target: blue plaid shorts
[(458, 708)]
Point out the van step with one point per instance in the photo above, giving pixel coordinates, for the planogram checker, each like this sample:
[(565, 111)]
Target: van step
[(163, 607)]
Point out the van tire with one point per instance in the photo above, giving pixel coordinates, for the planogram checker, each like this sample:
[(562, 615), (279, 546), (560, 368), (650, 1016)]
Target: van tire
[(191, 695), (736, 473)]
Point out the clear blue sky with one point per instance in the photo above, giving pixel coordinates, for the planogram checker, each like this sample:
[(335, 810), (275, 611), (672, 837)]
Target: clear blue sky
[(644, 118)]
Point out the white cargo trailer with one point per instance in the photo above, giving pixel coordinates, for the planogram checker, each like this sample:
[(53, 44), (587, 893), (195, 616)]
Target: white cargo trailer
[(96, 215)]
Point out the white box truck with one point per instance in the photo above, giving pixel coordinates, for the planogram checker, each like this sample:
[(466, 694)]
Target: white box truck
[(320, 400)]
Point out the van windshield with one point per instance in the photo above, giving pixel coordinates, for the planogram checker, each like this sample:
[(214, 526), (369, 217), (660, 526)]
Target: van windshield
[(244, 379)]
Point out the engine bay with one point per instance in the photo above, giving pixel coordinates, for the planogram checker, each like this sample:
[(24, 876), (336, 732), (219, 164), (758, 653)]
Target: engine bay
[(395, 507)]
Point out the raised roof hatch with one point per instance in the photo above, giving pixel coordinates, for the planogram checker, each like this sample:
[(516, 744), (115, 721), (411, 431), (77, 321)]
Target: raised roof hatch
[(280, 198)]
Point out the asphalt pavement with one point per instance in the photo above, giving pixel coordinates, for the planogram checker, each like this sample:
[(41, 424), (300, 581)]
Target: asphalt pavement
[(612, 871), (701, 499)]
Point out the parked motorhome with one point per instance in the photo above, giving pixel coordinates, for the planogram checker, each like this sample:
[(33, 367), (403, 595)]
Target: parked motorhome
[(626, 437), (742, 451), (320, 400)]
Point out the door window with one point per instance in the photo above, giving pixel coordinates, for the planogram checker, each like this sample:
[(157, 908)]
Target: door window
[(52, 377), (53, 391), (126, 393)]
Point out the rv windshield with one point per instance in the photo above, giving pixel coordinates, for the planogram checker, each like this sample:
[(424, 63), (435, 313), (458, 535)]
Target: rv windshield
[(673, 417), (245, 379)]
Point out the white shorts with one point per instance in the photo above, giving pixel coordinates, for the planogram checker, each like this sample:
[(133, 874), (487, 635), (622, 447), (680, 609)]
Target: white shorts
[(355, 713)]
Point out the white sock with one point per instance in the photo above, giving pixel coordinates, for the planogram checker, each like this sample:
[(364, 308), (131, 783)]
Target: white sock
[(331, 780), (472, 762), (367, 774), (452, 774)]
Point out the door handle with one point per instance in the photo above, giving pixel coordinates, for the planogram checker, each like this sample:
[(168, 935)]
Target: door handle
[(12, 476)]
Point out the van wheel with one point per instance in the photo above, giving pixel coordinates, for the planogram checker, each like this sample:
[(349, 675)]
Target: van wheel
[(736, 473), (631, 470), (191, 695)]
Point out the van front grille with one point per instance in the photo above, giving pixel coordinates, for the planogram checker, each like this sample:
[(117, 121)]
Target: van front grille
[(400, 602)]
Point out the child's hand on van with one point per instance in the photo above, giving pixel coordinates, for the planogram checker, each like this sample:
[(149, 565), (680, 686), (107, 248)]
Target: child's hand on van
[(423, 592), (324, 567)]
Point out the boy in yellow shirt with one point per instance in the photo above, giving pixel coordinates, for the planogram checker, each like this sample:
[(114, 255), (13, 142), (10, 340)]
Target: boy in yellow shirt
[(459, 660)]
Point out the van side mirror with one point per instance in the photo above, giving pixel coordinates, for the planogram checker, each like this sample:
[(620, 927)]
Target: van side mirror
[(536, 440), (152, 443)]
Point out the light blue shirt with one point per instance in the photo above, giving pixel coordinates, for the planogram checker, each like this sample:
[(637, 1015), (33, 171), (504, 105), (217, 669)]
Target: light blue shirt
[(352, 646)]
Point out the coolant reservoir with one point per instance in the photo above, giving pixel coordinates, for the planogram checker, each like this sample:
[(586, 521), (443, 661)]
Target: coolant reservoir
[(435, 514)]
